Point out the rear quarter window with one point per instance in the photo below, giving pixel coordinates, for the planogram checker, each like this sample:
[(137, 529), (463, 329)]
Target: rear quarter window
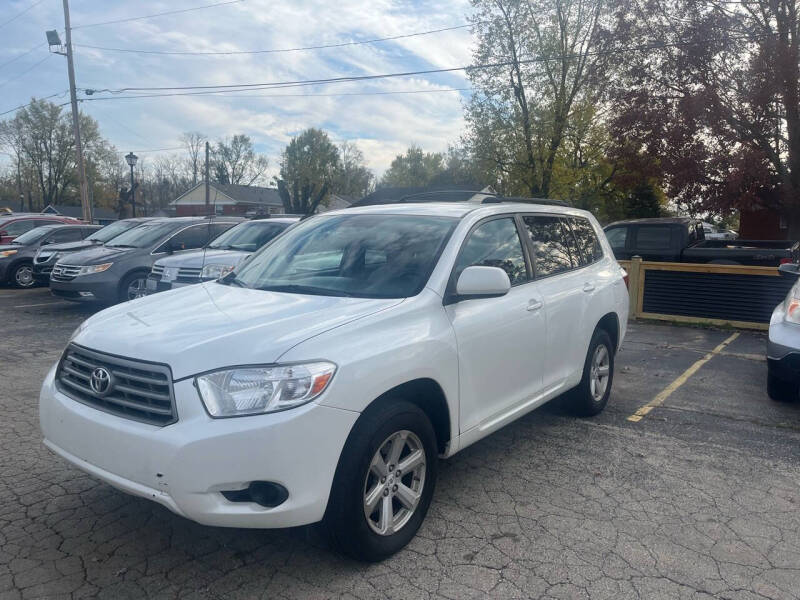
[(655, 237), (590, 248)]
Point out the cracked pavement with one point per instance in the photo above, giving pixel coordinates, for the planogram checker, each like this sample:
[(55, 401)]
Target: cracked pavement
[(700, 499)]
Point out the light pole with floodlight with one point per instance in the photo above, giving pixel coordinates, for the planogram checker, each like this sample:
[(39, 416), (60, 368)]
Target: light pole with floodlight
[(131, 159)]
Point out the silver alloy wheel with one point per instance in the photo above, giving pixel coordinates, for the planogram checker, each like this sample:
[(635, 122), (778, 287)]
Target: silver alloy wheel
[(136, 288), (394, 482), (599, 372), (23, 276)]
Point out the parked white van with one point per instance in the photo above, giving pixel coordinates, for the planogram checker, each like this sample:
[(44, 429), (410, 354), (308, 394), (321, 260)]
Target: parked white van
[(322, 379)]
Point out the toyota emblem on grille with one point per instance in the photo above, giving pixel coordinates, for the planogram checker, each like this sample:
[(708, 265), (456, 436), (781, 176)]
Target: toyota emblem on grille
[(100, 381)]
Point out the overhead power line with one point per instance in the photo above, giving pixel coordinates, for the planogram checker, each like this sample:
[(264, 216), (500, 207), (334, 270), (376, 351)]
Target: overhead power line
[(224, 93), (18, 56), (277, 50), (19, 14), (352, 78), (161, 14), (28, 70), (27, 104)]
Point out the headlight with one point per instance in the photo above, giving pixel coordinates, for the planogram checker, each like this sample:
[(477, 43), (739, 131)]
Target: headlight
[(791, 311), (7, 253), (259, 390), (89, 269), (215, 271)]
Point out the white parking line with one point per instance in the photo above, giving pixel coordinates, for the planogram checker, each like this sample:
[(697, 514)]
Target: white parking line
[(41, 304)]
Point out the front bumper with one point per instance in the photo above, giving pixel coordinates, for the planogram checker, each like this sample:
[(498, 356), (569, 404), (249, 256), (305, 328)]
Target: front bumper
[(185, 466), (783, 348), (41, 271), (156, 285), (103, 287)]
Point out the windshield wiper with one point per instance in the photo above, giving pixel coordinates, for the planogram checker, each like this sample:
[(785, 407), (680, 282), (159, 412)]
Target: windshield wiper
[(304, 289), (120, 246), (230, 279)]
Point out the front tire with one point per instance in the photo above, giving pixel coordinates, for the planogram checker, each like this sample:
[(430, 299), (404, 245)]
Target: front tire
[(133, 286), (591, 395), (384, 482), (780, 390), (22, 276)]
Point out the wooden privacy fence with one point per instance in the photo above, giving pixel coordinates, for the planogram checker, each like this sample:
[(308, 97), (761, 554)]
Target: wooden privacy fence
[(732, 295)]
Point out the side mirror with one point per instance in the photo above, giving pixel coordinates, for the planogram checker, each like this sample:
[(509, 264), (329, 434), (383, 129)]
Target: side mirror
[(789, 270), (482, 282)]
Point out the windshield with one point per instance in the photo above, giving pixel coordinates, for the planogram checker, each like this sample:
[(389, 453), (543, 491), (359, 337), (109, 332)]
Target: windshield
[(32, 236), (367, 256), (143, 235), (111, 231), (248, 237)]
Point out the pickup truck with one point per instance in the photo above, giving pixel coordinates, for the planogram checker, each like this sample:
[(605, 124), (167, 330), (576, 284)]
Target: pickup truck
[(681, 239)]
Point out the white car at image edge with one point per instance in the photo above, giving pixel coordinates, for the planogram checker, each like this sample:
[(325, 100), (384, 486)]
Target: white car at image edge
[(322, 379)]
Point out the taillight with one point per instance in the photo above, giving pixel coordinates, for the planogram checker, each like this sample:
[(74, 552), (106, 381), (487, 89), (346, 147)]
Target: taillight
[(785, 261), (625, 278)]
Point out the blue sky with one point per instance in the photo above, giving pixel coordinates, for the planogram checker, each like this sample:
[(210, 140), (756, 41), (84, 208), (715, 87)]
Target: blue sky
[(381, 125)]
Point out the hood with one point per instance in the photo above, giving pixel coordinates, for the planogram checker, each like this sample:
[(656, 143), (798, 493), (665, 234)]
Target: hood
[(210, 326), (198, 258), (68, 246), (97, 255)]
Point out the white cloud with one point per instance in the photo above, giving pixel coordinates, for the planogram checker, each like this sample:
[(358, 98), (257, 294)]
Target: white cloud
[(382, 125)]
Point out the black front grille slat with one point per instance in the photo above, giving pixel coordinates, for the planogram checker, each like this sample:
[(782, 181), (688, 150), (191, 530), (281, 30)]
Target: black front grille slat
[(140, 391)]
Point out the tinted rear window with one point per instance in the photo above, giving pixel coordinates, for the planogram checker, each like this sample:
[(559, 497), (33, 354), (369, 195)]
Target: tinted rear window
[(656, 237)]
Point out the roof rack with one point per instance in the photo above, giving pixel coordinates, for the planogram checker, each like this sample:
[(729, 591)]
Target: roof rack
[(491, 197)]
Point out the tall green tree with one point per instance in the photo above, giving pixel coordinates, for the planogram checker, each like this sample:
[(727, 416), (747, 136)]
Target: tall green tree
[(41, 136), (352, 178), (415, 168), (310, 164), (520, 112)]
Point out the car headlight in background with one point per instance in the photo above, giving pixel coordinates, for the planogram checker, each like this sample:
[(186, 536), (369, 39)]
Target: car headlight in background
[(260, 390), (215, 271), (89, 269), (7, 253), (791, 312)]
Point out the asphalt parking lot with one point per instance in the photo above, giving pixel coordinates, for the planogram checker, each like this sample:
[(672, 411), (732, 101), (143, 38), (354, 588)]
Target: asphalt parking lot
[(685, 487)]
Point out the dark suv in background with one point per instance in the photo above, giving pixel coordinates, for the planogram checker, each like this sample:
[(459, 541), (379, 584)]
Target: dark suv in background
[(47, 256), (118, 271), (16, 258)]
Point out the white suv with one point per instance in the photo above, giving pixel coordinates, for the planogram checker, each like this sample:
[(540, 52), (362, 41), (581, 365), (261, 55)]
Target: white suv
[(320, 380)]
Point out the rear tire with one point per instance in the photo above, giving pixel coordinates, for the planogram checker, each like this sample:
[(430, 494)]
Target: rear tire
[(391, 437), (780, 390), (591, 395)]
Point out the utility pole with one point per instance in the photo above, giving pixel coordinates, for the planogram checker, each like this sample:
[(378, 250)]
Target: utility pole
[(208, 190), (85, 205)]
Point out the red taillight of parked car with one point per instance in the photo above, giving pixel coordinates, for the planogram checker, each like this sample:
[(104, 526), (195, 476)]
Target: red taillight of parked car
[(785, 261), (625, 278)]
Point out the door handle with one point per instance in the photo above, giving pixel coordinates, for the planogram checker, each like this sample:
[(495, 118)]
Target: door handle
[(534, 305), (588, 286)]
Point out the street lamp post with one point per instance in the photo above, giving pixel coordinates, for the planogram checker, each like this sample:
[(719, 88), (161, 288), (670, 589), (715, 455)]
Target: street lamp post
[(131, 159)]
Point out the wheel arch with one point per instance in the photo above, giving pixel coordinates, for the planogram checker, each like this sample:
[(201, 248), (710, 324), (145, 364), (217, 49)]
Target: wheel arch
[(430, 398), (610, 324)]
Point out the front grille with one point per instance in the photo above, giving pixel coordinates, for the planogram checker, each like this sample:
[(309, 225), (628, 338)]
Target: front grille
[(184, 274), (137, 390), (188, 274), (64, 272)]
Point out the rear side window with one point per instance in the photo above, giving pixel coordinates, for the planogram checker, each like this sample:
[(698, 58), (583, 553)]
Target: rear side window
[(551, 244), (591, 250), (655, 237), (495, 243), (617, 237)]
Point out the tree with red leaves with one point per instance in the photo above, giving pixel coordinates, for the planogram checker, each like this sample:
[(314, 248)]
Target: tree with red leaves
[(710, 88)]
